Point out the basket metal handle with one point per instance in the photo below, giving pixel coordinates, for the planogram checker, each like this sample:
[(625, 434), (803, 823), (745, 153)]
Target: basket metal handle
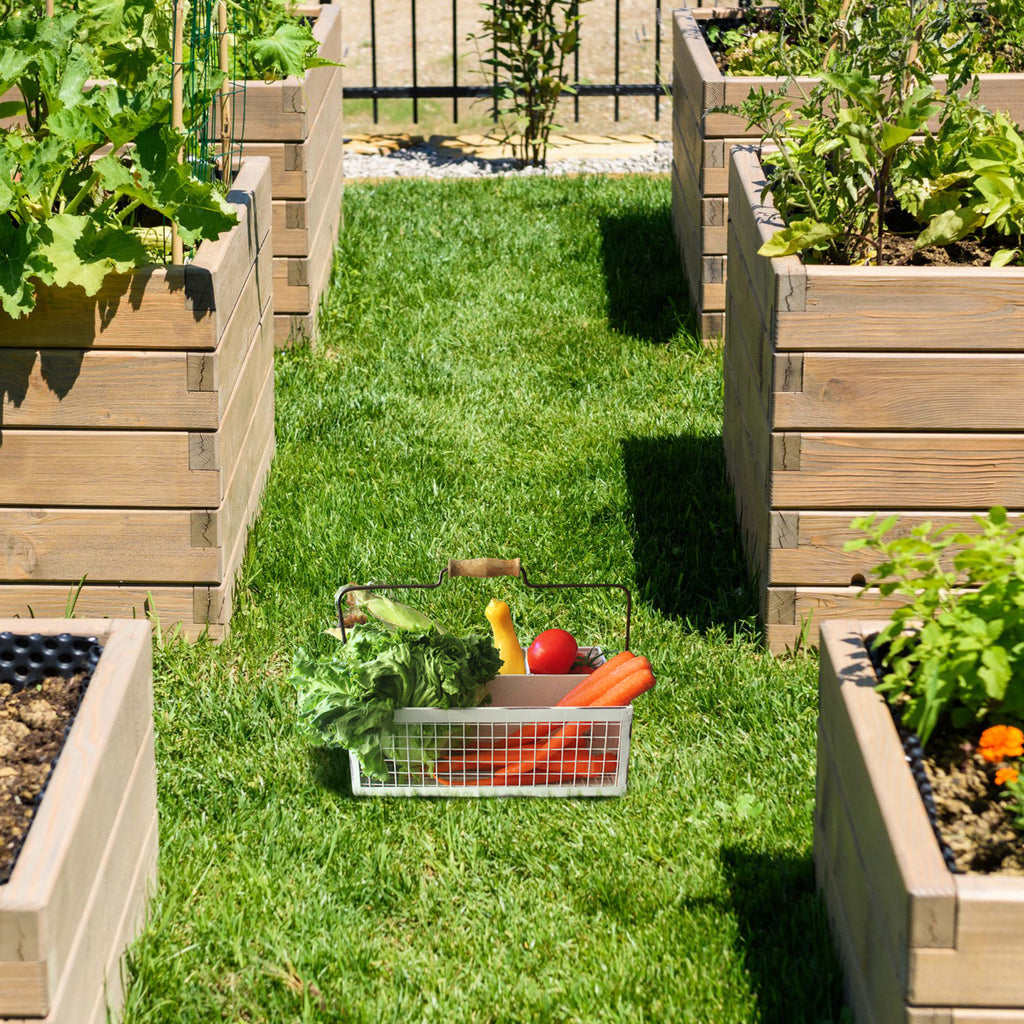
[(484, 568), (481, 568)]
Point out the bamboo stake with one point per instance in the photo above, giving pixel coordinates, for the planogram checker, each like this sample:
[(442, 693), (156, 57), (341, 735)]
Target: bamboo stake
[(225, 95), (49, 8), (178, 107)]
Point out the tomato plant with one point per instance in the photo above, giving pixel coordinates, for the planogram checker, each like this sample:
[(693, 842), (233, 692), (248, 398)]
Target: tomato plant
[(552, 653)]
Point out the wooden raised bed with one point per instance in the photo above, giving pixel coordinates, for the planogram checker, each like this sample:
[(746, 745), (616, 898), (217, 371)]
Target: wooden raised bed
[(851, 390), (919, 944), (77, 896), (136, 431), (298, 125), (702, 139)]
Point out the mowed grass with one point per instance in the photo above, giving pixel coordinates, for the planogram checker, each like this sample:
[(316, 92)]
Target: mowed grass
[(505, 369)]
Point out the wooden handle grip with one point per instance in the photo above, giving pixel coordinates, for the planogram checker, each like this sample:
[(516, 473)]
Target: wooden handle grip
[(483, 567)]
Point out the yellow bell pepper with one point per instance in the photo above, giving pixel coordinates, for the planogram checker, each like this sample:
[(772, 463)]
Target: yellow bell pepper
[(505, 638)]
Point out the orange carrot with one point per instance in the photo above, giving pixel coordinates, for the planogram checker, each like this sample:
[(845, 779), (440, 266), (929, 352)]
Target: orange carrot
[(577, 768), (596, 683), (535, 756), (585, 695), (595, 679), (627, 690)]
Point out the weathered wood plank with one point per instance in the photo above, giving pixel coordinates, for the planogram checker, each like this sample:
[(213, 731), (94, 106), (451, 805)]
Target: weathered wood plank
[(169, 605), (126, 389), (986, 968), (852, 897), (300, 281), (913, 309), (294, 328), (891, 471), (295, 220), (293, 164), (810, 550), (687, 237), (746, 475), (64, 545), (902, 391), (888, 820), (96, 933), (133, 915), (148, 469)]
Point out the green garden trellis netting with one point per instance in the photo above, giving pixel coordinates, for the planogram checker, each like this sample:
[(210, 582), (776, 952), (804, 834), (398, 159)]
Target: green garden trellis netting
[(213, 35)]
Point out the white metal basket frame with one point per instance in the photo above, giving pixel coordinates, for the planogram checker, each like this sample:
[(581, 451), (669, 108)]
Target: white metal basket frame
[(609, 730)]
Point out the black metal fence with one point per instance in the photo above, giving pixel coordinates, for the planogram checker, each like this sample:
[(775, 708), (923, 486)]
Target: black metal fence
[(455, 90)]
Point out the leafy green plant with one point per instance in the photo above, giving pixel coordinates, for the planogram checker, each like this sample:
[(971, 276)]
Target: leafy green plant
[(877, 152), (277, 43), (93, 168), (805, 37), (530, 42), (956, 648)]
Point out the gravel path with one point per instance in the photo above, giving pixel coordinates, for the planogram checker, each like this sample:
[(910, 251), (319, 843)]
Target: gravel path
[(424, 162)]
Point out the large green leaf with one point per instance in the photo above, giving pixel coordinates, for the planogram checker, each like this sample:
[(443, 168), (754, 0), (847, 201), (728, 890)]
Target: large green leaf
[(20, 261), (949, 226), (798, 236), (83, 253)]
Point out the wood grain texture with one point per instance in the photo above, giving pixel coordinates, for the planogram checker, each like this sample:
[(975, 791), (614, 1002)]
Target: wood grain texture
[(892, 471), (888, 821), (64, 545), (807, 546), (50, 889), (148, 469), (912, 309), (294, 328), (128, 390), (901, 391), (294, 164), (295, 220), (299, 281), (96, 934), (169, 605)]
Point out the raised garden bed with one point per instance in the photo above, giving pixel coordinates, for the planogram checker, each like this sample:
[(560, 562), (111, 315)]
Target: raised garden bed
[(77, 894), (298, 125), (918, 943), (702, 140), (136, 431), (859, 389)]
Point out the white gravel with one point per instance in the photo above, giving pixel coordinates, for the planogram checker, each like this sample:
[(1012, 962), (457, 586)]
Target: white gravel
[(424, 162)]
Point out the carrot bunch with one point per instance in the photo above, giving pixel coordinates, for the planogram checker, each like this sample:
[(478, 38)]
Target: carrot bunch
[(548, 752)]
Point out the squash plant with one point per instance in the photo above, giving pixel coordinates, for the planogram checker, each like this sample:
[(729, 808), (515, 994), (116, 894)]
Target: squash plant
[(277, 44), (89, 170)]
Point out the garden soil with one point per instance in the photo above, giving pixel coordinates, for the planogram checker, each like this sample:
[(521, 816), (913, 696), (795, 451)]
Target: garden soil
[(33, 724), (972, 820)]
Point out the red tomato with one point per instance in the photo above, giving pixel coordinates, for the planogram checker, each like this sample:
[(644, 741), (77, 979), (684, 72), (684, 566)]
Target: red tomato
[(552, 653)]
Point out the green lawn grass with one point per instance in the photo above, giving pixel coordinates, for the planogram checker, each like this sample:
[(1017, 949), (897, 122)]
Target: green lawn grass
[(506, 368)]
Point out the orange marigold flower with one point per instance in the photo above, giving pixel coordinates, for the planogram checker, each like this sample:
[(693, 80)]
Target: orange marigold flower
[(1001, 741), (1005, 775)]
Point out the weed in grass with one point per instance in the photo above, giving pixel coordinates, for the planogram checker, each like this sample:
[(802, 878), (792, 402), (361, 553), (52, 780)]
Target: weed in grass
[(475, 392)]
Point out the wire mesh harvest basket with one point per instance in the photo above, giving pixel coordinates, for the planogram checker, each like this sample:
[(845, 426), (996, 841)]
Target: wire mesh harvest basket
[(490, 751)]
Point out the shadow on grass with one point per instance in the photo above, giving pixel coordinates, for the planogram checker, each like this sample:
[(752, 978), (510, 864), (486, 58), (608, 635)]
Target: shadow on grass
[(686, 545), (788, 951), (330, 768), (647, 295)]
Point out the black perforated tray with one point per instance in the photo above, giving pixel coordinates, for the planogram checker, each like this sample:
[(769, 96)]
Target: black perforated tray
[(27, 659)]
